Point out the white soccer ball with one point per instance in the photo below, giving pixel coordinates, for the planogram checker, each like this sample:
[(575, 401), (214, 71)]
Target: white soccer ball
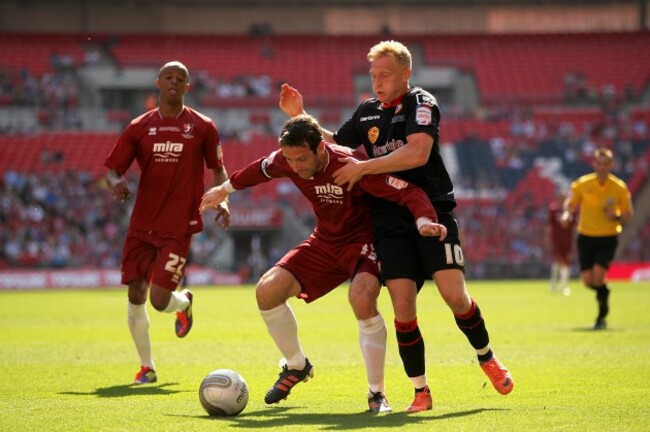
[(223, 392)]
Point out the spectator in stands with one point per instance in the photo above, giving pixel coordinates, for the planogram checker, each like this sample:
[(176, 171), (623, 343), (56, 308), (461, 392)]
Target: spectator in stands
[(170, 144), (559, 233), (339, 248), (605, 204), (399, 131)]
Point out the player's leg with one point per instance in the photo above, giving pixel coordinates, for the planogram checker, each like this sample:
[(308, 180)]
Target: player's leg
[(602, 295), (446, 263), (168, 270), (555, 270), (400, 269), (469, 319), (137, 257), (364, 290), (273, 289), (564, 271), (138, 322), (603, 258)]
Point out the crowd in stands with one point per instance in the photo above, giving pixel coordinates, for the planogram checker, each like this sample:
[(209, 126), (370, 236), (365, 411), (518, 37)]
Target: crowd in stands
[(54, 94), (59, 219), (68, 218), (512, 159)]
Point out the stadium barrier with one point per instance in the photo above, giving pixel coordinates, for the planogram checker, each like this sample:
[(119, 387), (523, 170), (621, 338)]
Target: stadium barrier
[(98, 278)]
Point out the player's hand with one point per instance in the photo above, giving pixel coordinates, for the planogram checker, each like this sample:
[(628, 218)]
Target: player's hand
[(432, 229), (212, 200), (223, 215), (291, 101), (565, 218), (350, 173), (119, 187), (611, 213)]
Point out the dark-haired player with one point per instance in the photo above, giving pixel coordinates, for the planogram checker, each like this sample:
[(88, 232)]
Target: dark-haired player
[(170, 144), (339, 249)]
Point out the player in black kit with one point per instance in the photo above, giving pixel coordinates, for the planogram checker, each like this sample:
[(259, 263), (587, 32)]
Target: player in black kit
[(399, 130)]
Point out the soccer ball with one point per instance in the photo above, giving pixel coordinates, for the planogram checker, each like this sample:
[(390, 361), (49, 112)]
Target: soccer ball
[(223, 392)]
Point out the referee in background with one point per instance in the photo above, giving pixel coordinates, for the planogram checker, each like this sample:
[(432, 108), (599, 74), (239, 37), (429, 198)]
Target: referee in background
[(605, 203)]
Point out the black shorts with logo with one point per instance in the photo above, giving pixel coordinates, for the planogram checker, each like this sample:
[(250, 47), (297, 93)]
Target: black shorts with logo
[(412, 256), (596, 250)]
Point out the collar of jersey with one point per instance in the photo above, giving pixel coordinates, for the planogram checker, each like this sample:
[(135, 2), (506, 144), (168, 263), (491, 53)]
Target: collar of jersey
[(395, 101)]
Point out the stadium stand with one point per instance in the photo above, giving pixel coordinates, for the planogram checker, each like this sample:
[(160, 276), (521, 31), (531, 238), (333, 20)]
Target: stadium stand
[(546, 100)]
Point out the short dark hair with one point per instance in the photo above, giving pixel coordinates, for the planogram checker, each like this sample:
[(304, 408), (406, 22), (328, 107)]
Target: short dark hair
[(301, 131), (175, 65)]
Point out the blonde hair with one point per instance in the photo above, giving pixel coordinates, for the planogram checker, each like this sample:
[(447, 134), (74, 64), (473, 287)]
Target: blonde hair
[(392, 48)]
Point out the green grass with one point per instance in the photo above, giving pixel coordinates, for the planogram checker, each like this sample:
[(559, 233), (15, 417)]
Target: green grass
[(67, 359)]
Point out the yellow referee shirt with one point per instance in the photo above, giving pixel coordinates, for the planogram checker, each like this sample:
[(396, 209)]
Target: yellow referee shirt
[(594, 199)]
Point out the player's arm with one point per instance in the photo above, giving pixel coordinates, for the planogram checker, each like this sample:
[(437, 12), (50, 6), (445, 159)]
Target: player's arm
[(570, 205), (219, 177), (118, 185), (405, 194), (260, 171), (623, 211), (291, 104), (415, 154)]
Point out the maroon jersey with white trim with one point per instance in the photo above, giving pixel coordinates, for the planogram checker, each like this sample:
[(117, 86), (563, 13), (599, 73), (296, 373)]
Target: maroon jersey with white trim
[(342, 216), (170, 153)]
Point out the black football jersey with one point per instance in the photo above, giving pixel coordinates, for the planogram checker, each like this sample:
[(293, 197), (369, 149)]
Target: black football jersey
[(383, 129)]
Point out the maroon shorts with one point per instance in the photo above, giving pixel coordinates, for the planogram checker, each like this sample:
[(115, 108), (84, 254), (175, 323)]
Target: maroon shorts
[(156, 257), (562, 250), (320, 266)]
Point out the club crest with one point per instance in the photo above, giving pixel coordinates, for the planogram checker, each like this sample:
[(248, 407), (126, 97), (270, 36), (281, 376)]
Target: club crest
[(373, 134)]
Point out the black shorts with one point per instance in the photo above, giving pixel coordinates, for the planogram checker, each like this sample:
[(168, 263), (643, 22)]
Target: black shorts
[(412, 256), (596, 250)]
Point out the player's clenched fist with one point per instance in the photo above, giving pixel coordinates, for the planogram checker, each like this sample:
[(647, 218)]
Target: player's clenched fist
[(432, 229)]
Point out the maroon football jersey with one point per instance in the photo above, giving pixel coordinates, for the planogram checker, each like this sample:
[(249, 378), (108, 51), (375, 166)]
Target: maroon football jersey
[(342, 216), (170, 153), (560, 236)]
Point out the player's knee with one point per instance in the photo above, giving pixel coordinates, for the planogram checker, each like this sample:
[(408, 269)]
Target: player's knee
[(458, 301), (137, 292), (364, 304), (272, 290), (363, 297)]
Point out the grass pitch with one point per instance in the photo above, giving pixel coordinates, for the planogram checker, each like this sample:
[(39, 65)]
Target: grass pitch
[(67, 363)]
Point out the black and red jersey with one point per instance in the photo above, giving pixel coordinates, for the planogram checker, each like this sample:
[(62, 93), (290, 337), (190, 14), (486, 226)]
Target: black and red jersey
[(382, 129)]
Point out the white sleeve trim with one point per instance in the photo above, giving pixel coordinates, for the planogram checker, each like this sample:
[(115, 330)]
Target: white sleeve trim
[(422, 221), (228, 187)]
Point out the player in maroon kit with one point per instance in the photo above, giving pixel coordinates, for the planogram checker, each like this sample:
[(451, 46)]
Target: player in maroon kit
[(170, 144), (560, 234), (340, 248)]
